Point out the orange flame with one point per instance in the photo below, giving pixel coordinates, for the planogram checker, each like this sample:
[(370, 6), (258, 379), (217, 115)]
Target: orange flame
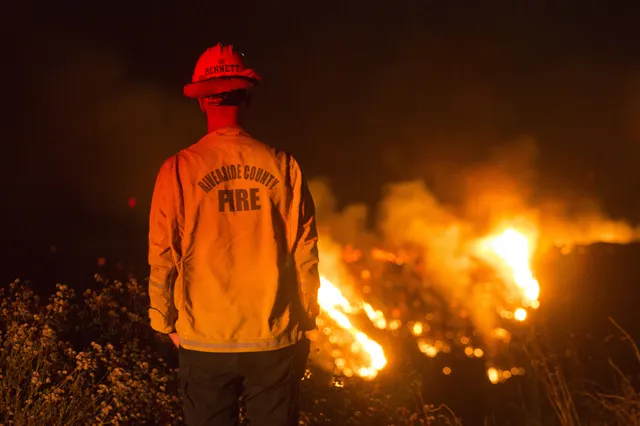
[(510, 253), (353, 352), (338, 308)]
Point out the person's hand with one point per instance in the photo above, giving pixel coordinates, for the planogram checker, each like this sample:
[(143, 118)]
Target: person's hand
[(175, 339)]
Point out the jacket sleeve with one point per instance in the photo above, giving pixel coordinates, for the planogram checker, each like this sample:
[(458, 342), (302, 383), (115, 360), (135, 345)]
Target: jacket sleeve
[(164, 246), (305, 247)]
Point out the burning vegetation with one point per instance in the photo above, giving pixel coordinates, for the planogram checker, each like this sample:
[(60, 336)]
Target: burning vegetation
[(452, 279), (351, 296)]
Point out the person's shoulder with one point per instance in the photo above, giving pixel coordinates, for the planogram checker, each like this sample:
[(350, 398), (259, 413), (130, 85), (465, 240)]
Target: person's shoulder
[(196, 149), (171, 162), (203, 144), (284, 158), (174, 158), (258, 144), (289, 164)]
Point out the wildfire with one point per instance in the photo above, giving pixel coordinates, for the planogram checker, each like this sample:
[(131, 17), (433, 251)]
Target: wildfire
[(510, 253), (424, 273), (352, 352), (514, 248), (338, 308)]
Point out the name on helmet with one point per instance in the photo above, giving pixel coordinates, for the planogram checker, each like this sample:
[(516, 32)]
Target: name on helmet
[(224, 68)]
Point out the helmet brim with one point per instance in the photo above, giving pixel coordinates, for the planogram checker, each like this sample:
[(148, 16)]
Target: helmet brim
[(217, 85)]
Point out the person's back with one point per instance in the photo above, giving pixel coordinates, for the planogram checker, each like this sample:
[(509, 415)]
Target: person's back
[(239, 226), (233, 256)]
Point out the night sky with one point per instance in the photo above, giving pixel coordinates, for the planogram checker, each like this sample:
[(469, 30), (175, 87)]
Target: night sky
[(362, 93)]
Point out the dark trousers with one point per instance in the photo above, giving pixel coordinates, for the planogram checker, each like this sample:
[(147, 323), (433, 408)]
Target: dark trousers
[(211, 385)]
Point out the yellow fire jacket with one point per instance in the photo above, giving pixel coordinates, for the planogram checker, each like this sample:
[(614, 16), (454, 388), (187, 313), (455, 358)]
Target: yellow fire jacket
[(232, 246)]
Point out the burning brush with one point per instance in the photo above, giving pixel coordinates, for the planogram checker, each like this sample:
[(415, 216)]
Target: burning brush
[(450, 279), (389, 291)]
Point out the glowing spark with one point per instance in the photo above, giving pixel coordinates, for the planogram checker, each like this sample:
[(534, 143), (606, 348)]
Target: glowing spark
[(427, 349), (417, 329), (493, 375)]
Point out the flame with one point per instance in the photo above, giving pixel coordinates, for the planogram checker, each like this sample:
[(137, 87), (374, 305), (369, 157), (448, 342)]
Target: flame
[(514, 248), (338, 308), (376, 316), (352, 352), (464, 291), (510, 253)]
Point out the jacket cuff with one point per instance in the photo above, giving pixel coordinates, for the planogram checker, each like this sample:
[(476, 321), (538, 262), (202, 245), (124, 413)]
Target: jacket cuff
[(309, 324), (159, 324)]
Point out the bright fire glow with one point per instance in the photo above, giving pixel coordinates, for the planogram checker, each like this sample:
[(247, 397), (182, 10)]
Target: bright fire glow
[(338, 308), (352, 352), (514, 248), (494, 375)]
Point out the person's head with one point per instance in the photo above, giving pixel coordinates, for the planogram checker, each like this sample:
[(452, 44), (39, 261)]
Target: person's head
[(222, 84), (224, 109)]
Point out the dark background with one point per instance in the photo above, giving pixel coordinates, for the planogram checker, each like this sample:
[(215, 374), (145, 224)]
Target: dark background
[(363, 93)]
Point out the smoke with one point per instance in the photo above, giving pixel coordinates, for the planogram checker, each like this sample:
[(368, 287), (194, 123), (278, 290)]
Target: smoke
[(411, 216), (503, 191), (564, 227), (346, 226)]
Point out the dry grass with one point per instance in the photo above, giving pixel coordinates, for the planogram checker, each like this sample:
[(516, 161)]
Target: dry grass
[(584, 402), (623, 405), (92, 359), (68, 361)]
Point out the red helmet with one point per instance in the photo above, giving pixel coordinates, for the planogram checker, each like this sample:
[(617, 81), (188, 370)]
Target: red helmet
[(220, 70)]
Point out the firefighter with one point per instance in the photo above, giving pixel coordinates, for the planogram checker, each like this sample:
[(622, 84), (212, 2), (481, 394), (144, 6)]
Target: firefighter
[(234, 260)]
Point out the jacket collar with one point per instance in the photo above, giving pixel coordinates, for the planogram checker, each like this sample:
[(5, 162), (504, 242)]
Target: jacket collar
[(231, 131)]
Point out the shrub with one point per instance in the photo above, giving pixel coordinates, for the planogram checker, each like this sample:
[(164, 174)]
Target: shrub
[(86, 360), (94, 359)]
